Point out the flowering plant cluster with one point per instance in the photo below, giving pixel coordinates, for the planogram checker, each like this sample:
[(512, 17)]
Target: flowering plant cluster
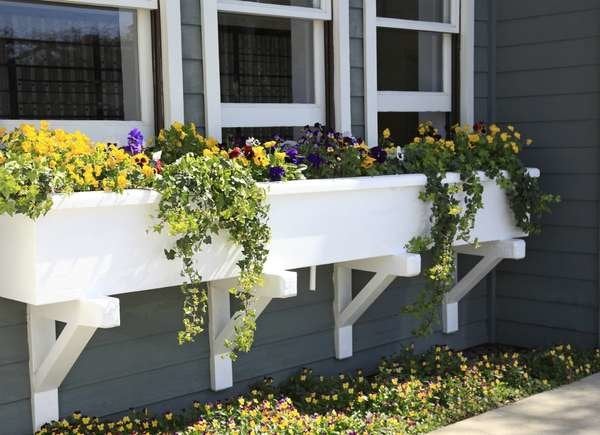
[(409, 394), (35, 163), (468, 151), (207, 187)]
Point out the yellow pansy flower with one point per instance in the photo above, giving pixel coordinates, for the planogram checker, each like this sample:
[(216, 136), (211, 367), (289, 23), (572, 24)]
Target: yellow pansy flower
[(270, 144), (387, 133), (367, 162), (122, 182), (148, 171), (473, 138)]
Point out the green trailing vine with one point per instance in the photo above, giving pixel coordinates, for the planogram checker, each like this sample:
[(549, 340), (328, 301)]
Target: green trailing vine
[(200, 198), (455, 206)]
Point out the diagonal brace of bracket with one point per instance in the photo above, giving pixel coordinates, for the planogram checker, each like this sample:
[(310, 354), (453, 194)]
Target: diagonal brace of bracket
[(51, 358), (222, 325), (348, 310), (493, 253)]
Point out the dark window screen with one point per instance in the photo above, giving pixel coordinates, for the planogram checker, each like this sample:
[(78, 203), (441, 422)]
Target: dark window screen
[(67, 62)]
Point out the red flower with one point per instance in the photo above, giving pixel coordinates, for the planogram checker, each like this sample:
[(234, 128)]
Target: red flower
[(235, 153), (158, 165)]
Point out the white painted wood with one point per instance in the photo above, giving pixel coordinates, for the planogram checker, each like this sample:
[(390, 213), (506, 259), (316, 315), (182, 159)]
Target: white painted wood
[(342, 297), (467, 62), (212, 80), (450, 318), (50, 259), (492, 254), (400, 101), (172, 61), (312, 286), (51, 358), (132, 4), (471, 279), (426, 26), (341, 65), (512, 249), (59, 361), (221, 368), (41, 336), (274, 10), (406, 265), (370, 71), (270, 115), (347, 310), (97, 313), (343, 341), (222, 326), (365, 298)]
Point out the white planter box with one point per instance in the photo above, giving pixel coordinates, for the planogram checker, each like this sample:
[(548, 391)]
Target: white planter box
[(96, 244)]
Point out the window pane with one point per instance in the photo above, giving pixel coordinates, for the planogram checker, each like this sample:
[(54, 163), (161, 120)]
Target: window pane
[(266, 59), (403, 125), (420, 10), (68, 62), (303, 3), (409, 60), (237, 136)]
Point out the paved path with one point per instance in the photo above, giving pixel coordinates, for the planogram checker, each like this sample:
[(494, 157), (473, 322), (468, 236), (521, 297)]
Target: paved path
[(572, 409)]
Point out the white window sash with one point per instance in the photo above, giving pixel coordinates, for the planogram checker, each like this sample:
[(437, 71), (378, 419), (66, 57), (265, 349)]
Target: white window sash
[(461, 21), (429, 26), (426, 26), (109, 130), (131, 4), (400, 101), (270, 115), (271, 10), (220, 115)]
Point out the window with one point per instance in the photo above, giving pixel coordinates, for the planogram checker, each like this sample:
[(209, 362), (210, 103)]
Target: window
[(270, 69), (78, 66), (408, 63)]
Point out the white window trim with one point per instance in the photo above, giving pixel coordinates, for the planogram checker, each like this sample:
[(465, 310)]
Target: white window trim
[(221, 115), (131, 4), (462, 19), (109, 130), (272, 10)]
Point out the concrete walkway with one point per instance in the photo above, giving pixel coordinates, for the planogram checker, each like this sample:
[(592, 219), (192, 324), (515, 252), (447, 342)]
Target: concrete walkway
[(572, 409)]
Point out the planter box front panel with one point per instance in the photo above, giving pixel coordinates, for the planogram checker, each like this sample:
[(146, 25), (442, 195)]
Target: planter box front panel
[(94, 244)]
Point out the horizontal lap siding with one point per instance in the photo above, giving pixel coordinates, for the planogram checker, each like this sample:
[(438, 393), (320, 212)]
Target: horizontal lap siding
[(14, 372), (548, 84)]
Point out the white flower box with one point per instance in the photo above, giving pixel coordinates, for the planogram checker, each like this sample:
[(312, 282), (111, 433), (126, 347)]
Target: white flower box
[(96, 244)]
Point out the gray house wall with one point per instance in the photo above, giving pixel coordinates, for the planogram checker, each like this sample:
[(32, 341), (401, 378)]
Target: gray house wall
[(140, 364), (548, 84)]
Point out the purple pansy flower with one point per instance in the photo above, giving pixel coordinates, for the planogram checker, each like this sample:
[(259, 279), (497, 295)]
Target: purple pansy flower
[(292, 156), (378, 154), (135, 142), (276, 173), (315, 160)]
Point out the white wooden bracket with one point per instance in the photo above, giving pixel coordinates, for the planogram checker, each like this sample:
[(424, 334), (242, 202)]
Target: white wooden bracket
[(222, 324), (51, 358), (347, 310), (493, 253)]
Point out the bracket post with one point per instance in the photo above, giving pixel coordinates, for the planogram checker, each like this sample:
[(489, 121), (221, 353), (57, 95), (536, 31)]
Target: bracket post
[(348, 310), (492, 254), (222, 325), (51, 358)]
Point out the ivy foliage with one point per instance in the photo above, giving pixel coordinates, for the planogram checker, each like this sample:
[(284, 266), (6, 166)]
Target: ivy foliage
[(200, 198), (472, 153)]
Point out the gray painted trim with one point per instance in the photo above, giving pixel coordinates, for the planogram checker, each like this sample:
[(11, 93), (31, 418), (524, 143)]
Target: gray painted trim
[(491, 60)]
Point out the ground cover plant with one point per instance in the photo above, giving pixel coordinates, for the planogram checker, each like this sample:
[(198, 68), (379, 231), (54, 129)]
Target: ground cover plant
[(408, 394)]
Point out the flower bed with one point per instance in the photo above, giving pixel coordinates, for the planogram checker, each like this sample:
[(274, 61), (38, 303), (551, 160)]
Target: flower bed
[(409, 394)]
